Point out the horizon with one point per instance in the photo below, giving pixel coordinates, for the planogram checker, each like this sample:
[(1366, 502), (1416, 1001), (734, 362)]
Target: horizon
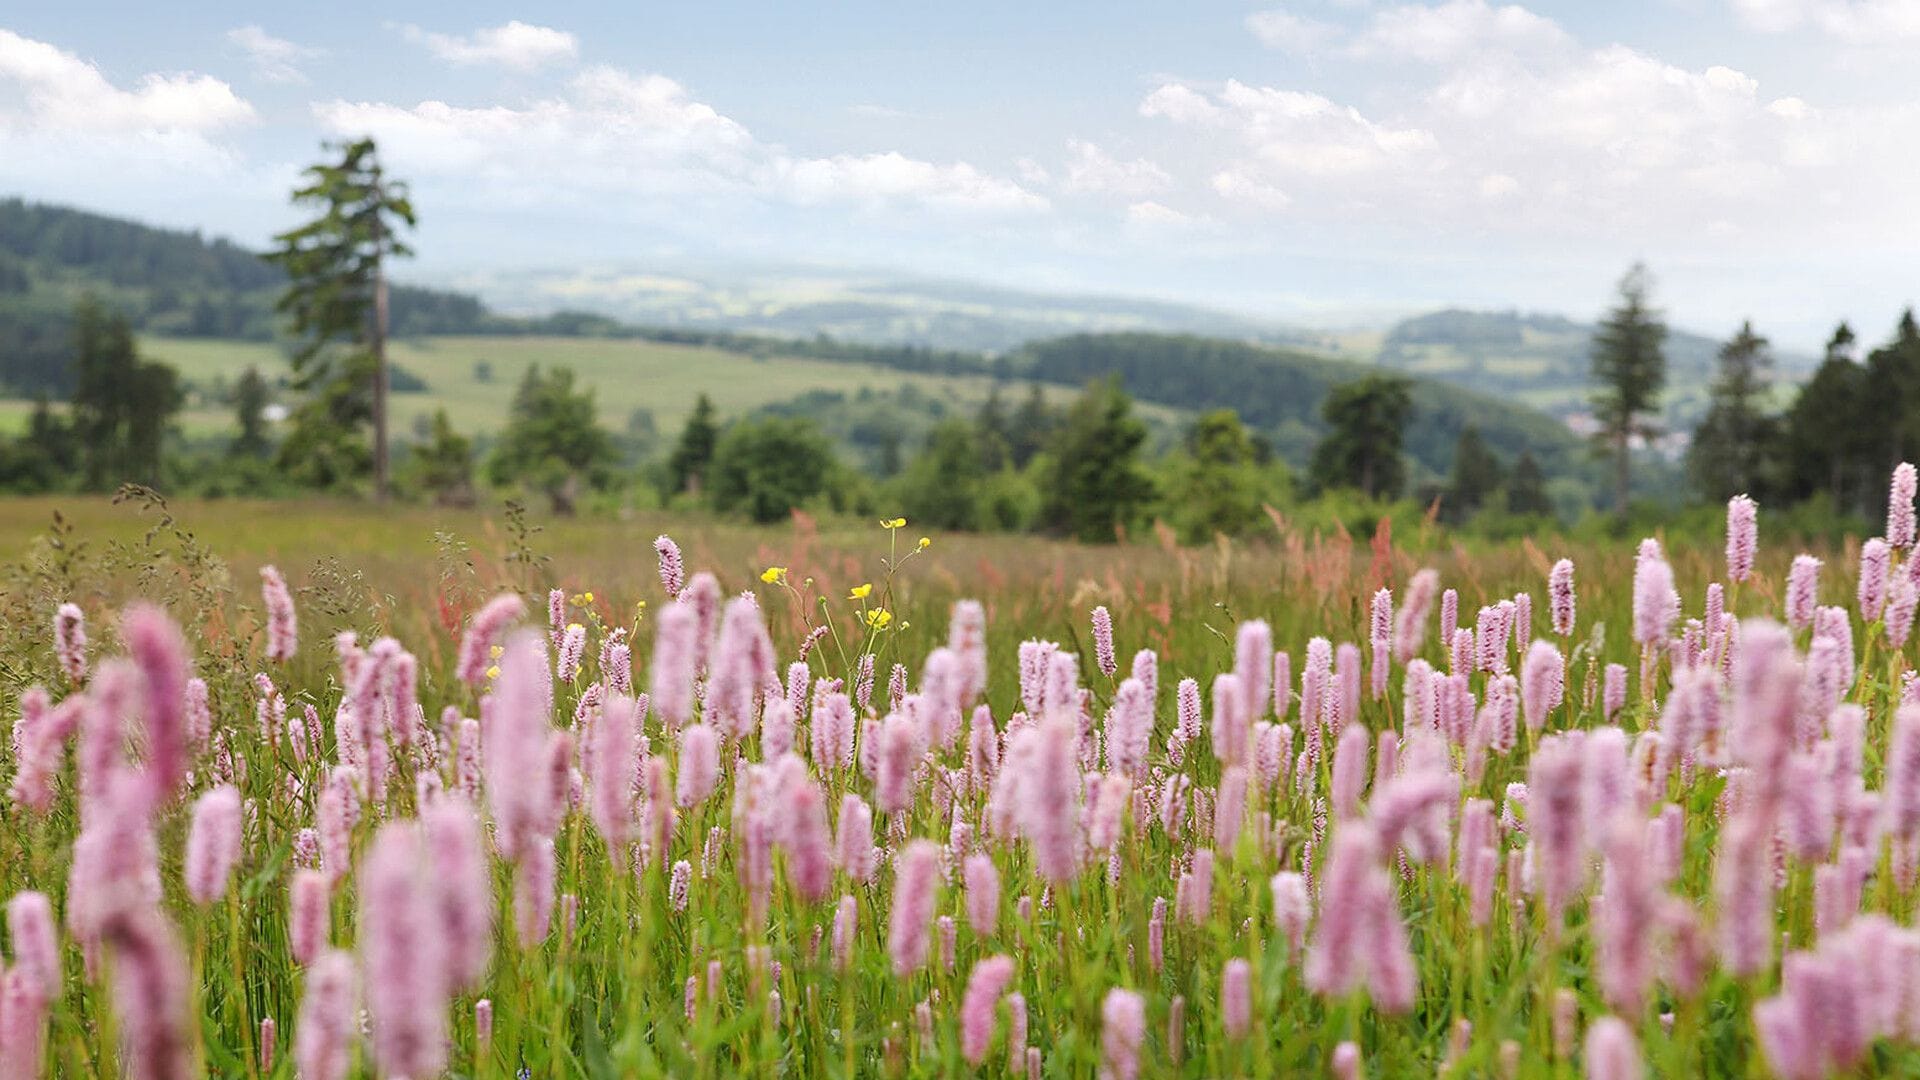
[(1315, 165)]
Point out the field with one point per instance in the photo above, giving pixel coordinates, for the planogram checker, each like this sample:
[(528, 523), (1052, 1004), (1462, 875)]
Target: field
[(626, 375), (1489, 856)]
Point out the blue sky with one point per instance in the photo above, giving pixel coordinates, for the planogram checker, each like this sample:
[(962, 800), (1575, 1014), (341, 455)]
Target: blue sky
[(1315, 161)]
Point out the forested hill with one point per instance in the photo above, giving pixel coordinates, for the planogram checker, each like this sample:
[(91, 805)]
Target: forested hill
[(1279, 391), (165, 281), (1544, 360)]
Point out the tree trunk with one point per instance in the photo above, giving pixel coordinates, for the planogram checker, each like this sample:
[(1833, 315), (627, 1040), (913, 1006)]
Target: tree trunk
[(1622, 460), (379, 363)]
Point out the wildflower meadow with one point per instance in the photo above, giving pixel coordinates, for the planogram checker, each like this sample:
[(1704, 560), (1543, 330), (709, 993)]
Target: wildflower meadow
[(863, 806)]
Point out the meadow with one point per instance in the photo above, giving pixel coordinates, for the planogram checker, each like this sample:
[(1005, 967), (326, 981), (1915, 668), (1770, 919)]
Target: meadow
[(457, 793)]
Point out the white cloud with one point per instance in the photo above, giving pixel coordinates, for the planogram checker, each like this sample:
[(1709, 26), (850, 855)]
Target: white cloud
[(1236, 185), (1283, 30), (615, 133), (1856, 22), (1458, 29), (516, 45), (1293, 131), (1092, 170), (274, 59), (62, 92)]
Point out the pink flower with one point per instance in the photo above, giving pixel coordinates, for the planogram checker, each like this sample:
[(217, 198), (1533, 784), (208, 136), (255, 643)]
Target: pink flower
[(1349, 771), (1900, 514), (1561, 596), (853, 844), (845, 918), (984, 987), (1653, 599), (36, 943), (160, 652), (1232, 719), (516, 739), (463, 888), (282, 633), (1048, 793), (916, 880), (675, 663), (614, 750), (809, 845), (483, 632), (1123, 1029), (967, 637), (1542, 685), (1236, 998), (699, 770), (153, 995), (1625, 916), (982, 882), (1292, 907), (1613, 694), (1253, 665), (1410, 627), (673, 572), (742, 666), (70, 642), (1876, 565), (323, 1040), (308, 915), (1803, 591), (213, 844), (1103, 641), (1612, 1052), (533, 891), (1554, 822), (401, 942), (1129, 728), (1743, 537)]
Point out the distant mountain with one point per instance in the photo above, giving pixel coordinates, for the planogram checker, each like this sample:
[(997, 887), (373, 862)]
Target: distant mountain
[(1544, 360), (868, 308)]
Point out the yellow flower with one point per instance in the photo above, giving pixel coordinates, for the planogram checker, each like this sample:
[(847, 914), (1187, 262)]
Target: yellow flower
[(571, 627), (493, 672), (893, 523), (495, 651), (773, 574), (589, 597), (925, 543), (878, 618), (860, 592)]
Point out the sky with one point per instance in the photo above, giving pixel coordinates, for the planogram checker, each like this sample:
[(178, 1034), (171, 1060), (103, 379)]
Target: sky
[(1321, 161)]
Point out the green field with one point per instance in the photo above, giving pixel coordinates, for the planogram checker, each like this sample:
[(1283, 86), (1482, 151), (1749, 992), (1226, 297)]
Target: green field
[(626, 375)]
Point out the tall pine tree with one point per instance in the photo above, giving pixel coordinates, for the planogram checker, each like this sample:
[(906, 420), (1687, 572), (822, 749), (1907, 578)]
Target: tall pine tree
[(1629, 372), (1727, 456)]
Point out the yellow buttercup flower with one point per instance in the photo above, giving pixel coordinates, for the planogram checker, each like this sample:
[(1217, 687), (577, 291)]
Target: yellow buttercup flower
[(773, 574), (893, 523), (878, 618), (860, 592), (493, 672), (589, 597), (495, 651), (925, 543)]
